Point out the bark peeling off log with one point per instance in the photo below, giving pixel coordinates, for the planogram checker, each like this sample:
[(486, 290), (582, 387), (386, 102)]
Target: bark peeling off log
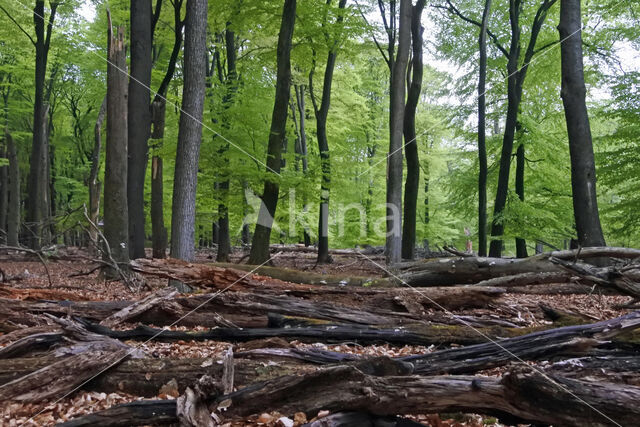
[(139, 307)]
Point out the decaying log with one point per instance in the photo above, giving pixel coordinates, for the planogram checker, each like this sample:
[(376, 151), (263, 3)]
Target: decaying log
[(145, 377), (620, 369), (363, 419), (144, 412), (86, 354), (627, 282), (250, 309), (470, 270), (521, 394), (569, 340), (139, 307)]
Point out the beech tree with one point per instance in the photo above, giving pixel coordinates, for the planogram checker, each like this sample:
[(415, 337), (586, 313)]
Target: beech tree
[(262, 234), (189, 132), (583, 170)]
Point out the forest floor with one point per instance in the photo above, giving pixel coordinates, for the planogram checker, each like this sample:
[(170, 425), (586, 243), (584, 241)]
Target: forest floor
[(30, 281)]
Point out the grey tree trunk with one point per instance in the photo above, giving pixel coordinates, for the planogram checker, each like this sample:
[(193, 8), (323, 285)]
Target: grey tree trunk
[(583, 170), (393, 246), (322, 113), (115, 175), (139, 119), (4, 190), (13, 199), (189, 132), (38, 181), (262, 235), (482, 133), (521, 244), (158, 107), (95, 186), (224, 234), (414, 80)]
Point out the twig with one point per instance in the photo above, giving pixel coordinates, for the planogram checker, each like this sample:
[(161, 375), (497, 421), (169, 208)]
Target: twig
[(38, 253)]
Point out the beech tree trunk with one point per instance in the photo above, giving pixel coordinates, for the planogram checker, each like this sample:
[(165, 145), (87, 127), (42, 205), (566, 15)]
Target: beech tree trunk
[(393, 246), (158, 108), (583, 171), (261, 237), (38, 196), (521, 244), (13, 200), (95, 186), (409, 130), (322, 113), (517, 74), (190, 132), (115, 176), (482, 133), (139, 119), (224, 235)]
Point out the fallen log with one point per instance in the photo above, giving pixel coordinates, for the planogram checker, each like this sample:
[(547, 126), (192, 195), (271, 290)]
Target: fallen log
[(621, 369), (145, 377), (471, 270), (139, 307), (521, 394), (250, 309), (86, 354)]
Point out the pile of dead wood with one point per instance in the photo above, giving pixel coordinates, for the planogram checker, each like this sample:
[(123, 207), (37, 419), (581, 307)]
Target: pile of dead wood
[(565, 373)]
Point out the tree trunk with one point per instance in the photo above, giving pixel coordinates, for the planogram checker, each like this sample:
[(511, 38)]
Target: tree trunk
[(393, 246), (262, 235), (158, 108), (521, 244), (158, 229), (13, 201), (4, 188), (583, 171), (95, 186), (190, 132), (516, 77), (38, 182), (411, 145), (224, 235), (139, 119), (322, 114), (482, 126), (115, 175)]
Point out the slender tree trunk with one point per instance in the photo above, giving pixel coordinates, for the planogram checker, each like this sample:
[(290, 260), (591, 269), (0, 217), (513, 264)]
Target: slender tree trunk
[(4, 190), (521, 244), (393, 247), (246, 230), (158, 229), (95, 186), (262, 235), (139, 117), (158, 108), (189, 132), (516, 77), (482, 125), (300, 102), (38, 181), (224, 235), (13, 200), (583, 170), (322, 113), (115, 176), (411, 145)]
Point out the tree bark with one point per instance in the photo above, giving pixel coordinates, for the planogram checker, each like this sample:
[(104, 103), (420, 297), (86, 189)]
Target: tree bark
[(224, 235), (139, 119), (322, 113), (95, 186), (190, 132), (409, 130), (583, 171), (115, 176), (38, 199), (482, 137), (158, 108), (393, 246), (13, 200), (262, 235), (521, 244), (515, 82)]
